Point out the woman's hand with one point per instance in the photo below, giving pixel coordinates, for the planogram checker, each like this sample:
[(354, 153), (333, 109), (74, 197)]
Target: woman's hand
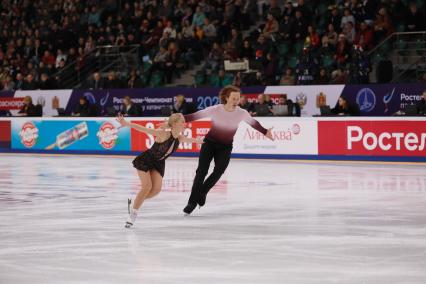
[(269, 134), (184, 139), (120, 119)]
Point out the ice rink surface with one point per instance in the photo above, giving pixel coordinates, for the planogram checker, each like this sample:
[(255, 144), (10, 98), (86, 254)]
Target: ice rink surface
[(62, 221)]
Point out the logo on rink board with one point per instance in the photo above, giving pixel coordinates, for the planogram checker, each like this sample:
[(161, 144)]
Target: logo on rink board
[(290, 138), (372, 138), (296, 129), (301, 99), (366, 99), (387, 98), (28, 134), (107, 135)]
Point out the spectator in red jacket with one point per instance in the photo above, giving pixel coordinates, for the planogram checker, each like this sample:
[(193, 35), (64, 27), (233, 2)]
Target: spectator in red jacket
[(48, 58), (343, 50), (364, 37), (271, 27), (313, 38)]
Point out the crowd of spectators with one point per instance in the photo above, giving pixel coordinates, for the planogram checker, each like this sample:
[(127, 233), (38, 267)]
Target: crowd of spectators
[(293, 42), (40, 38), (322, 42), (263, 105)]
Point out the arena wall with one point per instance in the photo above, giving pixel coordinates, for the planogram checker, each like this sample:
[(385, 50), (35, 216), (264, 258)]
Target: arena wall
[(313, 138)]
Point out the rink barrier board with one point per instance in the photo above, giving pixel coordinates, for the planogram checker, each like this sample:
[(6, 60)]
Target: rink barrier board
[(306, 131), (308, 158), (372, 138), (373, 99), (5, 134)]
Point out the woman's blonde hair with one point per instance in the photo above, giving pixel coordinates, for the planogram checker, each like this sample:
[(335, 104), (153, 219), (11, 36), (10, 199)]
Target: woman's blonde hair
[(226, 92), (173, 119)]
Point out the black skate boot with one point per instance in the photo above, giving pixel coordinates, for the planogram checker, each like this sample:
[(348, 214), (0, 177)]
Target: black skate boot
[(202, 200), (189, 208)]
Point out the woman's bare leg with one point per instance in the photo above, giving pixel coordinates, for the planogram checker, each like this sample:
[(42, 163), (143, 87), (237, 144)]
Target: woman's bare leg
[(146, 185), (157, 182)]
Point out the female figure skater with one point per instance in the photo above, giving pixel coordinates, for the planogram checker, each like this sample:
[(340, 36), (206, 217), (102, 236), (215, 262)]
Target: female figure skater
[(225, 118), (150, 164)]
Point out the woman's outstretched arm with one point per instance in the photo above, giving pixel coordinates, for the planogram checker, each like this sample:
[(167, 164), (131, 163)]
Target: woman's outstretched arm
[(125, 123)]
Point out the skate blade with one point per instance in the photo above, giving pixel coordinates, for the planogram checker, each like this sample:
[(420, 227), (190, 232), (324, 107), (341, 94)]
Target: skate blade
[(128, 225), (129, 201)]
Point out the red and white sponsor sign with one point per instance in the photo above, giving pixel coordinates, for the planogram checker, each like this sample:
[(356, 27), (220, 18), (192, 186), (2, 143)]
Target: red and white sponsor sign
[(142, 141), (11, 103), (107, 135), (292, 136), (28, 134), (372, 138), (253, 98)]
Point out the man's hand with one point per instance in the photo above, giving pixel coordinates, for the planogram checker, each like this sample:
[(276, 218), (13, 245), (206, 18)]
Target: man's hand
[(269, 134)]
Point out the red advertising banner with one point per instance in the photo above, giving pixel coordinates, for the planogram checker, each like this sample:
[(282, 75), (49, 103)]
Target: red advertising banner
[(372, 138), (5, 134), (252, 98), (141, 141), (11, 103)]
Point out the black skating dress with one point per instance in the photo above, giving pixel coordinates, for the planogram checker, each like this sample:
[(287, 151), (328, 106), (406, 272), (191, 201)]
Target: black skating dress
[(154, 158)]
